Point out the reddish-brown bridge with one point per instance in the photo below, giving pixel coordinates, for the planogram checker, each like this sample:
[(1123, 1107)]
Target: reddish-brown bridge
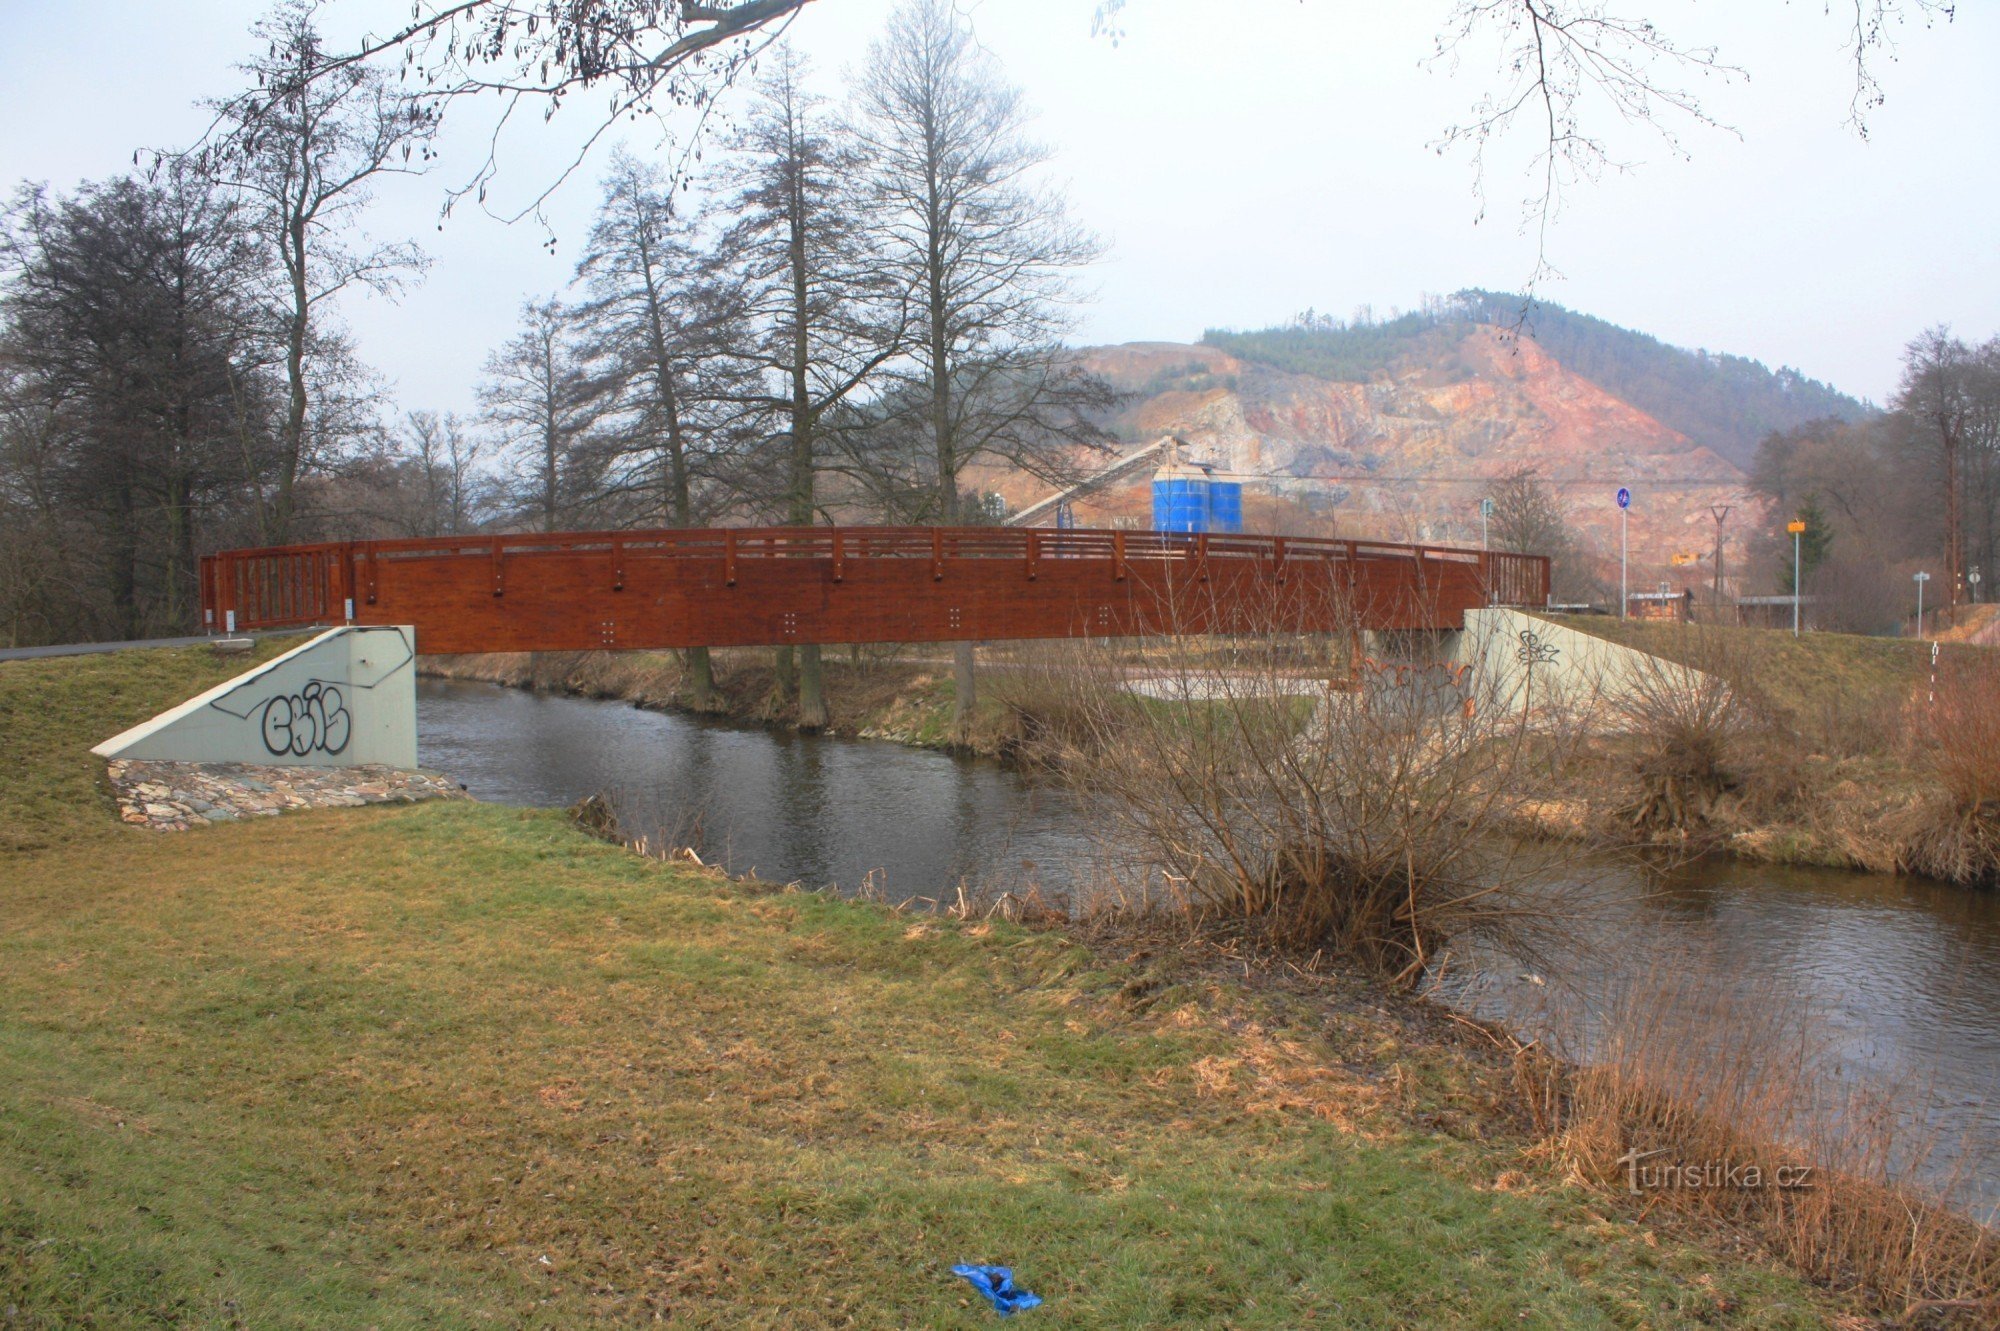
[(743, 587)]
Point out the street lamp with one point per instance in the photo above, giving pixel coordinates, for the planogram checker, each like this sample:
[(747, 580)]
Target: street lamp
[(1796, 527), (1921, 579)]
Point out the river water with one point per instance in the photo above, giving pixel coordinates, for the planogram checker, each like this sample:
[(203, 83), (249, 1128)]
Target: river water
[(1900, 978)]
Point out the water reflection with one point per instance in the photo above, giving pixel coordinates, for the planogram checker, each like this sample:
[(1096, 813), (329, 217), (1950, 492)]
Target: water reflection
[(818, 811)]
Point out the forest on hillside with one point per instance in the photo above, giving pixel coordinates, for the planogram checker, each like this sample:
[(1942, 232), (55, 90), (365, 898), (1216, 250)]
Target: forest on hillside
[(1729, 403)]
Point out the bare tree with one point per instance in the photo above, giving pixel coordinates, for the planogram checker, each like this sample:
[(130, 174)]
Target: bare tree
[(1530, 518), (302, 149), (1564, 67), (444, 454), (46, 588), (668, 331), (1937, 395), (543, 403), (987, 254), (827, 316), (636, 57), (132, 310), (1981, 506)]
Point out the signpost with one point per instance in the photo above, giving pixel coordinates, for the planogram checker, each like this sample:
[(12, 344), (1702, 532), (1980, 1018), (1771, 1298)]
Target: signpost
[(1973, 578), (1485, 512), (1795, 527), (1624, 507), (1921, 579)]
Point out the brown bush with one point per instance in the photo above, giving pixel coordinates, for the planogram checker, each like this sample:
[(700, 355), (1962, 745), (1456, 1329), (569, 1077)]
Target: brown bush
[(1954, 833), (1719, 1100), (1357, 814), (1687, 719)]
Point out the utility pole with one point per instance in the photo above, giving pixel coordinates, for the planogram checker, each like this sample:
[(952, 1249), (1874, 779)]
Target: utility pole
[(1795, 527), (1721, 514)]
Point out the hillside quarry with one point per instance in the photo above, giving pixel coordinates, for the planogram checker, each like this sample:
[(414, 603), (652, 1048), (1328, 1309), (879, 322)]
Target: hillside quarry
[(1408, 454)]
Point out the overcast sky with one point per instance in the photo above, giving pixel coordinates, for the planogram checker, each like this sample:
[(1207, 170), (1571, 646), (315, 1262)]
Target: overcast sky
[(1242, 168)]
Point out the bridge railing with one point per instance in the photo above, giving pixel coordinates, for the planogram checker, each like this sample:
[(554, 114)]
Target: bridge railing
[(1516, 580), (277, 587)]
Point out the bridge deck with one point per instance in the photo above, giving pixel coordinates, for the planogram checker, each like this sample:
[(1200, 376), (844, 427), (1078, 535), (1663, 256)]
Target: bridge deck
[(723, 587)]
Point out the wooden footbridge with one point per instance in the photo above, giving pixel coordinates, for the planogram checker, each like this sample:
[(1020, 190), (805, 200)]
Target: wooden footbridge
[(744, 587)]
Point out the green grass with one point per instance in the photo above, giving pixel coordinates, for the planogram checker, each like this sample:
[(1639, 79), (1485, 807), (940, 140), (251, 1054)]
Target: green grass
[(1822, 680), (458, 1065), (51, 711)]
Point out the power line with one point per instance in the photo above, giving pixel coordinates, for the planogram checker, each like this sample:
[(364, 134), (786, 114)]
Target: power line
[(1676, 483)]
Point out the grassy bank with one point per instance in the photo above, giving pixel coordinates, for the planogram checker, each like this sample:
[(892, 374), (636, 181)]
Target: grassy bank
[(459, 1065), (1833, 767)]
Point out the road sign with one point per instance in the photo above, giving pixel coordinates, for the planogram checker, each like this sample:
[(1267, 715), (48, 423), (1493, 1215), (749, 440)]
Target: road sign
[(1486, 508), (1795, 527), (1624, 497)]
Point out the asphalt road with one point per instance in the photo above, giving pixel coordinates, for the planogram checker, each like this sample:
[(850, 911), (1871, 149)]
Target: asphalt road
[(91, 648)]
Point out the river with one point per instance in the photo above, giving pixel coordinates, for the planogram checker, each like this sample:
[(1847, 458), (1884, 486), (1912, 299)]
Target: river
[(1901, 977)]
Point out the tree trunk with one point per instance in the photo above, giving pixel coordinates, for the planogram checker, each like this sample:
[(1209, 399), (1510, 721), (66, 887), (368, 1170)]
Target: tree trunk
[(785, 687), (803, 499), (701, 681), (813, 712), (965, 693), (1954, 545), (293, 440), (125, 564)]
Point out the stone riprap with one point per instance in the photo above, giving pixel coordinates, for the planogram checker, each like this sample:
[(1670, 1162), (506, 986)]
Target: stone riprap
[(173, 797)]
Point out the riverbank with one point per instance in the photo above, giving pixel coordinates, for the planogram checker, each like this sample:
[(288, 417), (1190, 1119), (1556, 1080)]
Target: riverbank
[(906, 697), (454, 1064), (1831, 758), (1831, 780)]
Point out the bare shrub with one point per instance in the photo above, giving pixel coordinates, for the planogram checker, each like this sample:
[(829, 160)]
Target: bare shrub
[(1699, 725), (1331, 809), (1051, 722), (1955, 729), (1718, 1099)]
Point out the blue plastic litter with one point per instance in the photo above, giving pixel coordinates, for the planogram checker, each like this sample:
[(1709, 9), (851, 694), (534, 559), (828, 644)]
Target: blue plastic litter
[(997, 1284)]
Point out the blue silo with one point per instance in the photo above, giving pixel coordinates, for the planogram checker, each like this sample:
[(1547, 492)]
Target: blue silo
[(1180, 498), (1225, 506)]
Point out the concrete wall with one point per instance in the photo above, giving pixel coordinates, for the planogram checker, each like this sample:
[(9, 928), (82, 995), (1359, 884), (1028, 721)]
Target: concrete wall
[(347, 698), (1521, 660)]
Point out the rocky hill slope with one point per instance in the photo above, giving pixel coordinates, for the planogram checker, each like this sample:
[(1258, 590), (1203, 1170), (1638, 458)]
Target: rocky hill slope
[(1408, 454)]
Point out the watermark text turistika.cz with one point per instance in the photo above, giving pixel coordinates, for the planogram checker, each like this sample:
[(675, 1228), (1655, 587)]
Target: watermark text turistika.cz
[(1711, 1174)]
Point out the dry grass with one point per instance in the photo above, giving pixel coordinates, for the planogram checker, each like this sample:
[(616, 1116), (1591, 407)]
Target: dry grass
[(1840, 691), (1954, 833), (1709, 749), (1719, 1101), (1823, 764)]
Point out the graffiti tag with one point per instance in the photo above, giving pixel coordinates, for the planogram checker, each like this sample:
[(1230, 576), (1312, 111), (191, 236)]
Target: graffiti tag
[(1534, 651), (313, 720)]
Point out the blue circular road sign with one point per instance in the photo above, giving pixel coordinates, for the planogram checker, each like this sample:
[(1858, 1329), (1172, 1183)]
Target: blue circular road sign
[(1624, 497)]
